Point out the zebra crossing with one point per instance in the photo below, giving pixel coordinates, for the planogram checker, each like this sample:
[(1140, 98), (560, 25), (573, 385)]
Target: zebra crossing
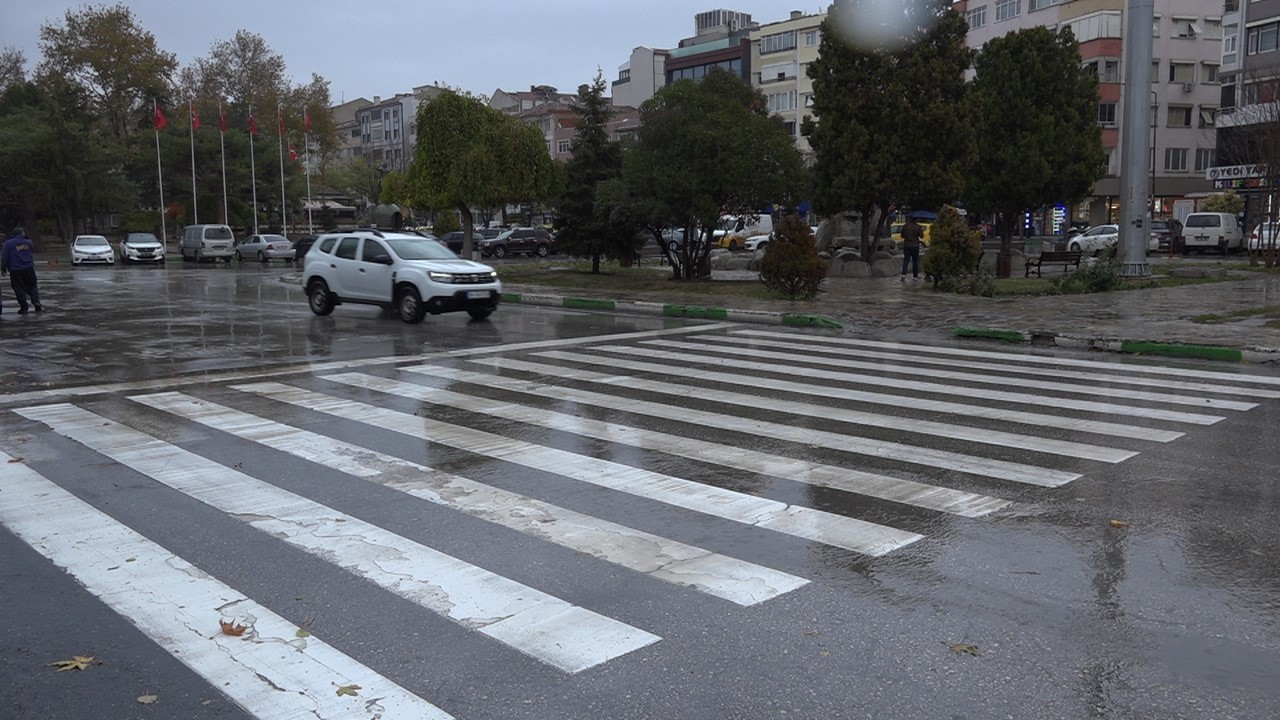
[(750, 423)]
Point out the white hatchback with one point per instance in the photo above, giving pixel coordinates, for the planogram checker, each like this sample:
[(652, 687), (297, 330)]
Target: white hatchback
[(1095, 240)]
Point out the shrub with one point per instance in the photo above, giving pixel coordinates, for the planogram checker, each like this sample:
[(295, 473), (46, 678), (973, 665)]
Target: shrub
[(1100, 276), (791, 264), (954, 251)]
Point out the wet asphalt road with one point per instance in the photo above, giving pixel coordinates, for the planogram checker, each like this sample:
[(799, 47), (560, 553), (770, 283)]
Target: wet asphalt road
[(1039, 608)]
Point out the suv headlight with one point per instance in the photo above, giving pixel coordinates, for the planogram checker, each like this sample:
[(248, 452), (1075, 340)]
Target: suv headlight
[(440, 277)]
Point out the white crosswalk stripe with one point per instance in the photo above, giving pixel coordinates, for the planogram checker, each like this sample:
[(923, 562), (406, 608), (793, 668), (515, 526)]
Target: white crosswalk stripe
[(807, 441)]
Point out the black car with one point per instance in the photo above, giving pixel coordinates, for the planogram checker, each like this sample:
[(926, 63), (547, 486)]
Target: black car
[(301, 246), (454, 239), (532, 241)]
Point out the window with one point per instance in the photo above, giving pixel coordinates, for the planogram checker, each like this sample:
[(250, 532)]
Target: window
[(1155, 71), (790, 125), (1182, 72), (1107, 114), (1204, 159), (1209, 73), (1098, 25), (812, 38), (1186, 27), (1110, 71), (778, 42), (1207, 115), (371, 249), (624, 75), (1263, 38), (782, 101), (1179, 116), (778, 71), (1034, 5), (562, 146), (1213, 28), (1175, 159), (977, 17), (1155, 26), (1008, 9)]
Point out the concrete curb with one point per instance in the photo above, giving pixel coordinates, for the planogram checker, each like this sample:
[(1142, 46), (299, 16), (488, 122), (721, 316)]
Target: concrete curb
[(672, 310), (1251, 354)]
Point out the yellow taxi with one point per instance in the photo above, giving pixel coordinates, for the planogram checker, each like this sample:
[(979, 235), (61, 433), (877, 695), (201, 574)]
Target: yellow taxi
[(895, 231)]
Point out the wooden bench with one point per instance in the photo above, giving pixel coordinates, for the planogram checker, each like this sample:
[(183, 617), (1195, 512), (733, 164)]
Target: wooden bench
[(1053, 257)]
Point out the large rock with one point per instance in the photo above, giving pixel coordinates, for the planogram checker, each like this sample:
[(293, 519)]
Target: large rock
[(885, 265), (848, 264), (833, 228)]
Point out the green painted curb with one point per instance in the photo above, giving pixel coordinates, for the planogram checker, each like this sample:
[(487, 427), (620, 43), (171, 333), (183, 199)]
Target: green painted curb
[(590, 304), (1204, 352), (512, 297), (695, 311), (810, 321), (1006, 335)]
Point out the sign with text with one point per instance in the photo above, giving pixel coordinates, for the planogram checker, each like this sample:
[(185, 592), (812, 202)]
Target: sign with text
[(1234, 172)]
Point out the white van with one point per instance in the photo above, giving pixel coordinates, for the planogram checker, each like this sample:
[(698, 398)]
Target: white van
[(207, 242), (1203, 231)]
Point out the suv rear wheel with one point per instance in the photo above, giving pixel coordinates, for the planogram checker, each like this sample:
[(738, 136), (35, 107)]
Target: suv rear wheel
[(543, 250), (409, 305), (319, 299), (480, 314), (499, 251)]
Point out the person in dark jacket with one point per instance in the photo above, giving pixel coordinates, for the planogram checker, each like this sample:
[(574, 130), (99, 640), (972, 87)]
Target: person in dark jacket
[(912, 235), (17, 260)]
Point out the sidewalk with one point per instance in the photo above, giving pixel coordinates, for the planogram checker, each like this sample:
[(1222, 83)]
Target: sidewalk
[(1128, 321)]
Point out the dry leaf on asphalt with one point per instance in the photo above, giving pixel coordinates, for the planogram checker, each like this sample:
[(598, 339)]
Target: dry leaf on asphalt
[(15, 460), (1118, 524), (348, 690), (148, 699), (79, 662), (231, 627), (964, 649), (302, 633)]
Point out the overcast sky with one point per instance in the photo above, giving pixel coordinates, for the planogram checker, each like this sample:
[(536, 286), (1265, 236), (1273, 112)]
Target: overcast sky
[(381, 47)]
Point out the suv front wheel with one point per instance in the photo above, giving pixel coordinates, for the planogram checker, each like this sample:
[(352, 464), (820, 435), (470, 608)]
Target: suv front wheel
[(409, 305), (319, 299)]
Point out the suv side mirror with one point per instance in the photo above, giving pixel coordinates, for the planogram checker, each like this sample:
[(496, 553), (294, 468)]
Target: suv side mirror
[(380, 259)]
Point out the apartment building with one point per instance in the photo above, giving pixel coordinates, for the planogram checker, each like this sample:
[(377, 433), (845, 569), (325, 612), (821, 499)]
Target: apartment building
[(644, 73), (1185, 89), (781, 53), (1250, 105), (721, 40)]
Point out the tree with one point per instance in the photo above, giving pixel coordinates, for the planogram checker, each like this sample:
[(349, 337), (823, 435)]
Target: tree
[(889, 127), (1034, 110), (705, 148), (586, 224), (1227, 202), (469, 154), (791, 264), (103, 52), (12, 68), (955, 250)]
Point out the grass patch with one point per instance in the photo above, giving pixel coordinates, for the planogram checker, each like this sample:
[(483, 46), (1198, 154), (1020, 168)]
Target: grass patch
[(612, 278), (1245, 313), (1006, 335), (1204, 352), (1008, 287)]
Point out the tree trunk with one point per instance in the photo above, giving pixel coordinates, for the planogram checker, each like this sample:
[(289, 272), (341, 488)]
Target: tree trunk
[(1004, 261)]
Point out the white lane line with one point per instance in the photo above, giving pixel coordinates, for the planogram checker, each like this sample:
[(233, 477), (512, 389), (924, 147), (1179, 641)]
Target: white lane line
[(908, 492), (269, 672), (1057, 373), (1013, 356), (542, 626), (1061, 422), (737, 581), (980, 436), (906, 385), (204, 378), (795, 361), (807, 523), (911, 454)]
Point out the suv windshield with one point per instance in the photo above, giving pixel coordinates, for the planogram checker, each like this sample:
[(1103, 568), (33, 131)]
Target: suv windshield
[(419, 249)]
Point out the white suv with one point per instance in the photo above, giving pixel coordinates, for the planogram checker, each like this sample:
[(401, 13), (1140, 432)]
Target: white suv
[(401, 272)]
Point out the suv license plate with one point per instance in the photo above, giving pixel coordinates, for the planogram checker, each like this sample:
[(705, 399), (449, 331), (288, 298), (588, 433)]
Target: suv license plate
[(477, 294)]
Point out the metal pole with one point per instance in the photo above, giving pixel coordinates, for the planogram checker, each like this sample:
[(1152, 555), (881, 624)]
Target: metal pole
[(1135, 206)]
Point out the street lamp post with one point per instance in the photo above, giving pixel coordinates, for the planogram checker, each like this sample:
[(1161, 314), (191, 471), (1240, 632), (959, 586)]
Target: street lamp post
[(1134, 206)]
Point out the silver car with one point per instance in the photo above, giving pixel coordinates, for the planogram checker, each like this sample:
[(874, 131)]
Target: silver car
[(264, 248), (92, 249)]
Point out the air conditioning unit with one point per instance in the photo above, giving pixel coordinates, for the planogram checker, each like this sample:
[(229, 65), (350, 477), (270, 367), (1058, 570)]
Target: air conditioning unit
[(1187, 87)]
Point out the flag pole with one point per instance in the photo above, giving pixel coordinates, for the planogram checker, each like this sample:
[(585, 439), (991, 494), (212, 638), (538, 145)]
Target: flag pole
[(253, 169), (284, 222), (306, 148), (164, 233), (195, 205), (222, 143)]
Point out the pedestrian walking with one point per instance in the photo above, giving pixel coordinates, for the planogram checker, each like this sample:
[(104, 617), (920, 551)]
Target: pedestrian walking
[(912, 234), (17, 260)]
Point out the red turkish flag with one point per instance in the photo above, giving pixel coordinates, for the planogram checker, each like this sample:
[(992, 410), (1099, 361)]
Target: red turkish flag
[(161, 120), (222, 119), (195, 119), (253, 126), (280, 120), (293, 152), (306, 121)]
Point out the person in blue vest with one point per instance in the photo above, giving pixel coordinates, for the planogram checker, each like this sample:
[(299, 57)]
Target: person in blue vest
[(17, 260)]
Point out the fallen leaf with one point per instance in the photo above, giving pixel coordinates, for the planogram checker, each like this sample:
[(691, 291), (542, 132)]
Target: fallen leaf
[(964, 649), (79, 662), (15, 460), (1118, 524), (231, 627), (302, 633), (148, 699), (348, 690)]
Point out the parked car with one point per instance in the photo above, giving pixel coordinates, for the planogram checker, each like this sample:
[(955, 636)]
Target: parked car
[(757, 243), (206, 242), (264, 248), (1095, 240), (1163, 235), (301, 246), (397, 271), (454, 240), (92, 249), (735, 230), (531, 241), (141, 248), (895, 232), (1211, 231), (1265, 237)]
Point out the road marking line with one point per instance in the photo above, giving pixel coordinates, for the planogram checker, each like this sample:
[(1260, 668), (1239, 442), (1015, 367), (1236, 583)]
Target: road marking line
[(535, 623), (737, 581), (1026, 358), (798, 360), (907, 492), (905, 385), (1135, 432), (1057, 373), (269, 672), (837, 442), (807, 523)]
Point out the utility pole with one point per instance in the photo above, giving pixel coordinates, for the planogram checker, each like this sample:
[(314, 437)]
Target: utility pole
[(1135, 204)]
